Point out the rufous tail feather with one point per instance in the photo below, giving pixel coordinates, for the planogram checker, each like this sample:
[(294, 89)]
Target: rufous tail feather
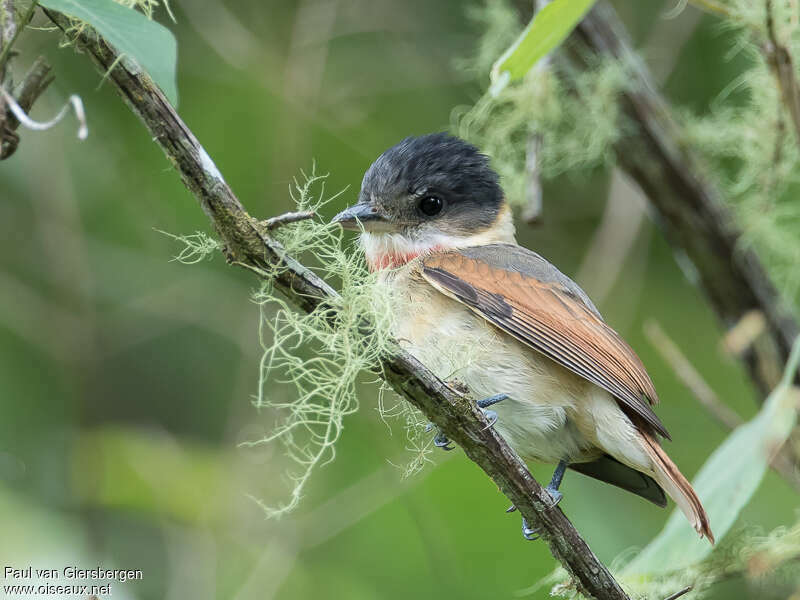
[(677, 487)]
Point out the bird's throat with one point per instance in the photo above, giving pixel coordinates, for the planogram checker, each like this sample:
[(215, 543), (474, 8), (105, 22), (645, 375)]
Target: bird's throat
[(386, 251), (380, 261)]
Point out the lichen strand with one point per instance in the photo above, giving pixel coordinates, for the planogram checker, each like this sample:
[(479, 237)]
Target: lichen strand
[(321, 354)]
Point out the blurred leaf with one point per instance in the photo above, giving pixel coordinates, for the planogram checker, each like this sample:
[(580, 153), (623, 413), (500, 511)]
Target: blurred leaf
[(548, 28), (34, 533), (727, 480), (148, 43), (149, 472)]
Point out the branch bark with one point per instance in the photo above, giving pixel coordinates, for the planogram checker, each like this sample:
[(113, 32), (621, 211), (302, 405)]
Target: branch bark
[(688, 205), (248, 243)]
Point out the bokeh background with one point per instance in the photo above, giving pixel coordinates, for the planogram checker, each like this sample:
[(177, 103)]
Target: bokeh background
[(126, 379)]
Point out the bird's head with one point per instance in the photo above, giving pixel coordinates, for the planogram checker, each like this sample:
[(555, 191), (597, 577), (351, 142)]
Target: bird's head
[(427, 193)]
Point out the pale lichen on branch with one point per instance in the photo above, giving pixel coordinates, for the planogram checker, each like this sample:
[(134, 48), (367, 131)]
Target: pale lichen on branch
[(321, 354)]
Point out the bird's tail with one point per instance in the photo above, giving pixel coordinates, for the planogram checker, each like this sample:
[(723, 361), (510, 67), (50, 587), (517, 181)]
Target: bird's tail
[(677, 487)]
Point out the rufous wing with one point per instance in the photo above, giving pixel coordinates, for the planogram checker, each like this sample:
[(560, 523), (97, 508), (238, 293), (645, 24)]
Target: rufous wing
[(527, 297)]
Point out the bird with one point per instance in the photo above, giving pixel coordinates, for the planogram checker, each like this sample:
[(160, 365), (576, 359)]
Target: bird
[(507, 326)]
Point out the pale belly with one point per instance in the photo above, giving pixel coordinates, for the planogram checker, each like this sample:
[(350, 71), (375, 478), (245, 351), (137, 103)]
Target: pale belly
[(540, 419)]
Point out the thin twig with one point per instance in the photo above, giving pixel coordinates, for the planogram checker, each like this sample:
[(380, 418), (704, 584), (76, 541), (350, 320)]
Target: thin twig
[(246, 243), (35, 82), (690, 377), (712, 7), (5, 47), (286, 218), (680, 593), (739, 338), (8, 33), (532, 212)]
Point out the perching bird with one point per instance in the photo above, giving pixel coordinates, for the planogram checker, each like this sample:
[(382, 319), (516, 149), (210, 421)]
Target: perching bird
[(474, 306)]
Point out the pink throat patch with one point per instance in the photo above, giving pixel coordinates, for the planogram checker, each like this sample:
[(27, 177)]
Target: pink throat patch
[(393, 260)]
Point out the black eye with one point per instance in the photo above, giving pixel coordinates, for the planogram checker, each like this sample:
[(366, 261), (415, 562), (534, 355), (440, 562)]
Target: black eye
[(431, 205)]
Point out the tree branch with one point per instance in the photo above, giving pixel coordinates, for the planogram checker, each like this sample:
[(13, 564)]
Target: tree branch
[(33, 84), (8, 33), (249, 244), (688, 205)]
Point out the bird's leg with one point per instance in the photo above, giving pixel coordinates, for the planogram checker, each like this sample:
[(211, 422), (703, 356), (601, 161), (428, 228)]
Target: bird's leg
[(555, 482), (528, 532), (487, 402), (441, 441)]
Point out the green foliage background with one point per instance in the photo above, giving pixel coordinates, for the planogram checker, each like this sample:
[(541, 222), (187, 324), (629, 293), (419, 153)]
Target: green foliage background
[(126, 380)]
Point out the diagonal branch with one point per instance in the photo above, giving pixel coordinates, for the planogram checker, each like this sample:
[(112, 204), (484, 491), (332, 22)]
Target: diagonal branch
[(688, 205), (249, 244), (690, 208)]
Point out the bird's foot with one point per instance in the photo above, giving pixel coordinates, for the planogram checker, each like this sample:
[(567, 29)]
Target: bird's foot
[(440, 440), (485, 403), (528, 532), (554, 494), (531, 533)]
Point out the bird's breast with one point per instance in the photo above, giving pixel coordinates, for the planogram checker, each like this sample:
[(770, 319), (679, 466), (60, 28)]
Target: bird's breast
[(457, 344)]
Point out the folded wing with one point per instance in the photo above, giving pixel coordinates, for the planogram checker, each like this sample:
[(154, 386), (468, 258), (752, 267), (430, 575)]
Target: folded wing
[(527, 297)]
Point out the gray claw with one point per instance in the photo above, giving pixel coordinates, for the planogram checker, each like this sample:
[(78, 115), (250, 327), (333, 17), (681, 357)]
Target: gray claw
[(441, 441), (554, 494), (490, 415), (527, 532)]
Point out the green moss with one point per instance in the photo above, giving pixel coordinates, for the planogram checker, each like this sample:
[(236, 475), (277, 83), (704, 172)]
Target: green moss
[(753, 150)]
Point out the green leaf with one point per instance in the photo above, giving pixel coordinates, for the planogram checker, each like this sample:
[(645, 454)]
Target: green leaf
[(150, 44), (548, 28), (727, 480)]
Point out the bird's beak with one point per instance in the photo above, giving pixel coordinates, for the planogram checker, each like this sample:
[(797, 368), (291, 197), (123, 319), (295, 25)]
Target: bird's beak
[(362, 215)]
